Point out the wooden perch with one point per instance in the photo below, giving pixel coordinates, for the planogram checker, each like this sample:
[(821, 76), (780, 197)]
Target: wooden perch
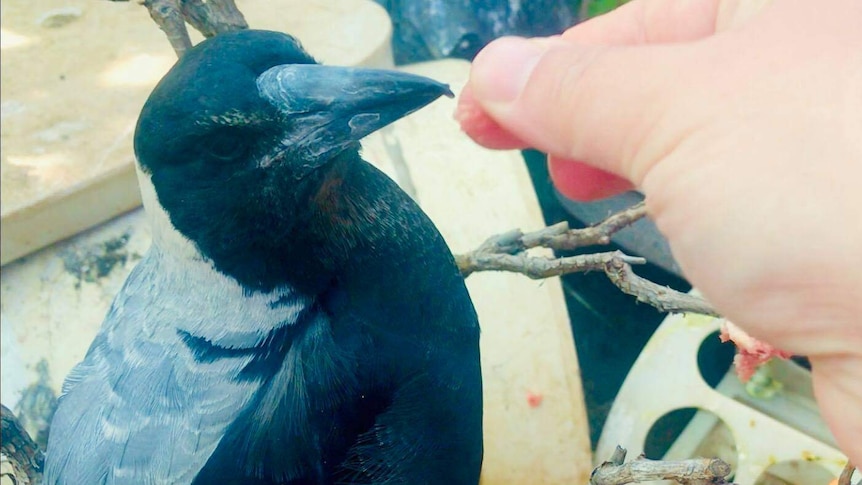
[(213, 17), (508, 252), (18, 451), (698, 471), (210, 18)]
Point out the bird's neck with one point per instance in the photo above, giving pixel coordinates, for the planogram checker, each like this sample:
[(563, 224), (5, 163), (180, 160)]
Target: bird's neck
[(165, 236), (373, 225), (357, 221)]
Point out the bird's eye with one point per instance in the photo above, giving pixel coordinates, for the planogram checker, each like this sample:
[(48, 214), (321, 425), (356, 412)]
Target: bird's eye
[(226, 146)]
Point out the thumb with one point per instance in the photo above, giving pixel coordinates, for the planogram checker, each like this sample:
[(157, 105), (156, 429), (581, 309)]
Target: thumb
[(594, 103)]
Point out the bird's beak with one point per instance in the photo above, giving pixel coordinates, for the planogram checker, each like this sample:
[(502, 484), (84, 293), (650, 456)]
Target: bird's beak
[(327, 108)]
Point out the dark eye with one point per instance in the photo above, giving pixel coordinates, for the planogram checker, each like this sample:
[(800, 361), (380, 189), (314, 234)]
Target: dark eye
[(226, 145)]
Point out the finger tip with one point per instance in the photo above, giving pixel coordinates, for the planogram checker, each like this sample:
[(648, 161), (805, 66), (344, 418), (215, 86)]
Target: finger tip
[(480, 126)]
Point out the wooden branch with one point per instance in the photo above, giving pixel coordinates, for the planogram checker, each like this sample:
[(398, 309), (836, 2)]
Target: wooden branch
[(166, 14), (210, 18), (509, 252), (18, 450), (697, 471), (540, 267), (213, 17), (560, 237), (597, 234), (663, 298)]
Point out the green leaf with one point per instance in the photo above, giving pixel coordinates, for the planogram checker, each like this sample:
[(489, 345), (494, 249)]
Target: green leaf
[(599, 7)]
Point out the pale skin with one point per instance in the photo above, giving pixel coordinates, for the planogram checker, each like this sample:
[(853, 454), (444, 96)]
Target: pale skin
[(741, 122)]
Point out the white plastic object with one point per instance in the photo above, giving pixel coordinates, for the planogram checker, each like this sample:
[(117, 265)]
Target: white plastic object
[(666, 377)]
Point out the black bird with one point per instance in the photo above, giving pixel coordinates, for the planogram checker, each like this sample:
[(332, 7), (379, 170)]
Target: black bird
[(298, 319)]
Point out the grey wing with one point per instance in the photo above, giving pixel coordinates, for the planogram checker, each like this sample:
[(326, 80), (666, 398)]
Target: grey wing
[(140, 408)]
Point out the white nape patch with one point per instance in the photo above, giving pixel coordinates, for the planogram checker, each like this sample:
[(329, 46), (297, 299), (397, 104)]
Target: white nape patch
[(205, 302)]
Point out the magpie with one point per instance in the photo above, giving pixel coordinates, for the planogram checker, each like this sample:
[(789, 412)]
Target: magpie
[(298, 319)]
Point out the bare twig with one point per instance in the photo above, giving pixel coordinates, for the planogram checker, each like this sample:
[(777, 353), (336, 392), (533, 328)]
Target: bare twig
[(697, 471), (661, 297), (18, 450), (847, 474), (166, 14), (597, 234), (210, 18), (559, 236), (508, 252), (540, 267), (213, 17)]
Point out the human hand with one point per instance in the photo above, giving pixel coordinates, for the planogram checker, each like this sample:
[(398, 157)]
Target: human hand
[(743, 127)]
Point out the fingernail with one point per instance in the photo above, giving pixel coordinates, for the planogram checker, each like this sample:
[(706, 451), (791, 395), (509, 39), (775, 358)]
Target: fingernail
[(501, 70)]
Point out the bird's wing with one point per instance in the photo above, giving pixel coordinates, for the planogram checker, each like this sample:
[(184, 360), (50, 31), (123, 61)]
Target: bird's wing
[(306, 411), (156, 392)]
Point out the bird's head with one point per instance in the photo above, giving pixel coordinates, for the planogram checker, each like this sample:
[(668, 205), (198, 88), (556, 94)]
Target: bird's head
[(237, 137)]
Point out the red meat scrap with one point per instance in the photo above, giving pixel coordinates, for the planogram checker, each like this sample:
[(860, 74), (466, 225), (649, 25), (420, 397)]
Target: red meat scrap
[(750, 352)]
